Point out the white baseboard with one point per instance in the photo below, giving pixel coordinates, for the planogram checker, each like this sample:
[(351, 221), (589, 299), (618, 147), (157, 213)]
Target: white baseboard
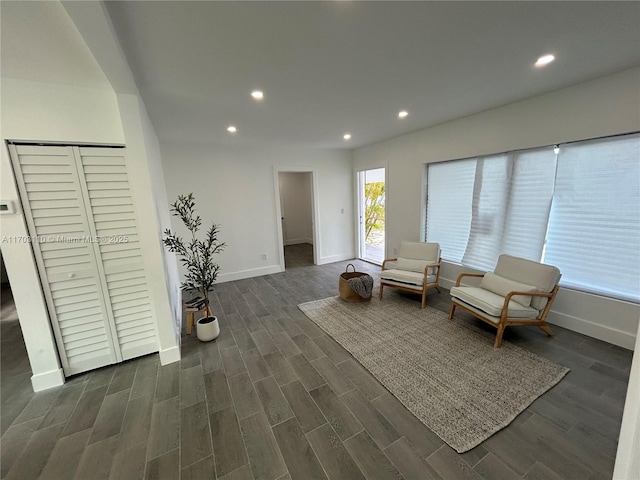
[(169, 355), (43, 381), (601, 332), (254, 272), (336, 258), (446, 283)]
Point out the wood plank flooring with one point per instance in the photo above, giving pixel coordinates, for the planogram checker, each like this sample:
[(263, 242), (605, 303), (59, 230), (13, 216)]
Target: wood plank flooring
[(275, 398)]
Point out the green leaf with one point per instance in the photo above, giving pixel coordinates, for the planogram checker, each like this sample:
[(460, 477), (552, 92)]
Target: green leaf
[(195, 255)]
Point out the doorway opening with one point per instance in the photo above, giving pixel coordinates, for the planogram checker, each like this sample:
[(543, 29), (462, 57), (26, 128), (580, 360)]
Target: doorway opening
[(298, 242), (16, 369), (371, 215)]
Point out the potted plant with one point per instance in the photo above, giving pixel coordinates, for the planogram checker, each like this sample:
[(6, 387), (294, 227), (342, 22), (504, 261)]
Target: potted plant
[(198, 258)]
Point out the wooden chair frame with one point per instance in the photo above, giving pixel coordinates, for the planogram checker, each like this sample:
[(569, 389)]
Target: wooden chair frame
[(505, 321), (415, 289)]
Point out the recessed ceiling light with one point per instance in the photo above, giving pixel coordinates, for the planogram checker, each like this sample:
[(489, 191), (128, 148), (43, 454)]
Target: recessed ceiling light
[(346, 136), (402, 114), (231, 129), (545, 60), (257, 94)]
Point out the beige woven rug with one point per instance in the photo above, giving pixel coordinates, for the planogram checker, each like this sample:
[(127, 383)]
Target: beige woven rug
[(446, 372)]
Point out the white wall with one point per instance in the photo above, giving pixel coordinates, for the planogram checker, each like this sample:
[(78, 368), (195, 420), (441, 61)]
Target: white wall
[(295, 203), (604, 106), (628, 456), (147, 182), (235, 188)]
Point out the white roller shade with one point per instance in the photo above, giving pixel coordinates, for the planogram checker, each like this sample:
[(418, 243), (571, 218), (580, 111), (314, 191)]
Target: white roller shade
[(594, 227), (449, 198)]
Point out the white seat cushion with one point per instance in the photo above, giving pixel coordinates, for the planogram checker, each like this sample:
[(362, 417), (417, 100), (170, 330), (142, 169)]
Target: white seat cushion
[(406, 277), (491, 303)]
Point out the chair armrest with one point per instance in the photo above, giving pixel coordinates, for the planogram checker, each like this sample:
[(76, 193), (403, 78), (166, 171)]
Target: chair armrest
[(388, 260), (432, 265), (467, 275)]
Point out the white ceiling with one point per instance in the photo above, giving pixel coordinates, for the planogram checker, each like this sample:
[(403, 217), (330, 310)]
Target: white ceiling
[(331, 67)]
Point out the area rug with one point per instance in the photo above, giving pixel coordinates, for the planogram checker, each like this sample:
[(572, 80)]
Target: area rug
[(446, 372)]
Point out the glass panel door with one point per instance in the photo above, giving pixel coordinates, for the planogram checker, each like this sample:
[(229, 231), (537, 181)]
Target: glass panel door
[(371, 215)]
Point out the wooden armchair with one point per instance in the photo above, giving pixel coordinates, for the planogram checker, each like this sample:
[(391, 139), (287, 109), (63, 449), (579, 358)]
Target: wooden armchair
[(416, 269), (518, 292)]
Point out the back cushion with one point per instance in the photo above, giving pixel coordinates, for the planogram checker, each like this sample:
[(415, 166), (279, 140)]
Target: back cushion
[(413, 265), (545, 277), (501, 286), (419, 250)]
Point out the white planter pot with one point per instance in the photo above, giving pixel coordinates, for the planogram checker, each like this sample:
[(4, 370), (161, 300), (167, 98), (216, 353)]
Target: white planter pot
[(207, 328)]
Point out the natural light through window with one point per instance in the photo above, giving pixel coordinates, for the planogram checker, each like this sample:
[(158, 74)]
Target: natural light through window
[(577, 209)]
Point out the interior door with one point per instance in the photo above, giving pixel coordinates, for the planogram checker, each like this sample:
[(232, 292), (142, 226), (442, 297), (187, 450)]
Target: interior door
[(283, 208)]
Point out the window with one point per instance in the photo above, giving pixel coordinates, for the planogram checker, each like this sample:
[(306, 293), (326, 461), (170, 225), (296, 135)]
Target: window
[(449, 197), (578, 209), (594, 226)]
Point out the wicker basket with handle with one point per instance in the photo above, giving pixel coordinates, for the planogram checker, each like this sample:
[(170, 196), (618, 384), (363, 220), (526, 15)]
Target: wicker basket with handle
[(347, 293)]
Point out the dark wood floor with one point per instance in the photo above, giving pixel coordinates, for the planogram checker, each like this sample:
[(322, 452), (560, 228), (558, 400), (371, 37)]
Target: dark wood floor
[(275, 398), (300, 255)]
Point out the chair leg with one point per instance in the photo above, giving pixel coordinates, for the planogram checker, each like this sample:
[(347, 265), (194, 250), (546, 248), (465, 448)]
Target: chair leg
[(190, 322), (438, 289), (545, 328), (424, 297), (451, 310), (498, 341), (381, 291)]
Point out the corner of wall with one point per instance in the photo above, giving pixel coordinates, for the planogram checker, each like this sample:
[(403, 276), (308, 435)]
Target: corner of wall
[(149, 189), (46, 380)]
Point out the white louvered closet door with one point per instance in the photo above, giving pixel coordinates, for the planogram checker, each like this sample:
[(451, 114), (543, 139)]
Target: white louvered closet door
[(110, 205), (92, 279)]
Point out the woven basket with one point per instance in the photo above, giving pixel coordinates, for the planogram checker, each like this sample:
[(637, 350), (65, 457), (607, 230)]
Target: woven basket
[(347, 293)]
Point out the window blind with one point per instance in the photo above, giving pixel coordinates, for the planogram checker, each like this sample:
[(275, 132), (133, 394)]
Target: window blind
[(511, 203), (529, 203), (490, 196), (578, 209), (449, 199), (594, 226)]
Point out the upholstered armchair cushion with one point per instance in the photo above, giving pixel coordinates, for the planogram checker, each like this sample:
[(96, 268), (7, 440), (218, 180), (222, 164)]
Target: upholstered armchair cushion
[(413, 265), (501, 286), (416, 269), (406, 276), (543, 277), (492, 303), (419, 251)]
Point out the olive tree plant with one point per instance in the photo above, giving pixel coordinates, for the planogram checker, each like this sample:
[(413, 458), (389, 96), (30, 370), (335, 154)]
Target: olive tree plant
[(198, 256)]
